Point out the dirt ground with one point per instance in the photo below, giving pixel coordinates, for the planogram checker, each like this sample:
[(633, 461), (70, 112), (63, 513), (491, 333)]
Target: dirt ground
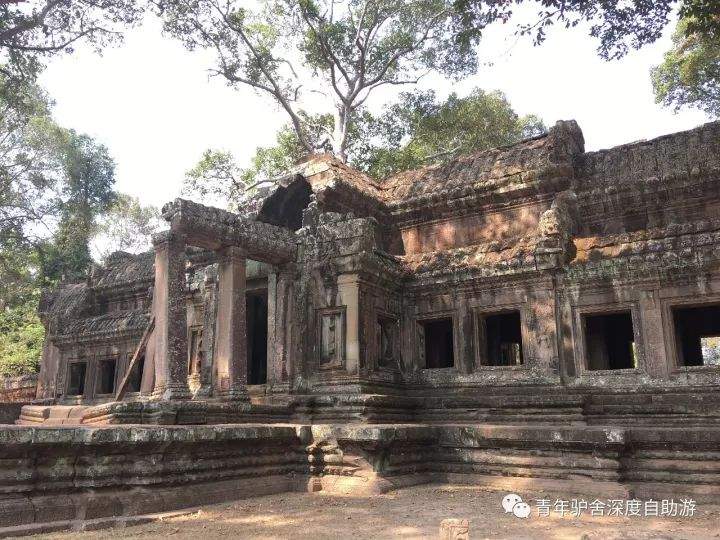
[(409, 513)]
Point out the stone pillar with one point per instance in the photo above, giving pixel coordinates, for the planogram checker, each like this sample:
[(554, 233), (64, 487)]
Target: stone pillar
[(280, 329), (169, 307), (349, 296), (231, 326), (655, 354)]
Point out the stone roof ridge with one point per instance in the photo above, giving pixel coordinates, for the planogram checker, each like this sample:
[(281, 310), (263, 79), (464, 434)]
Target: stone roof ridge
[(660, 138), (501, 172), (465, 157), (123, 268)]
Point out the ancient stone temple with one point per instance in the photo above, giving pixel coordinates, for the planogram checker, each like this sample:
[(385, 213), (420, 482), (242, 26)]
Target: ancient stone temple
[(533, 311)]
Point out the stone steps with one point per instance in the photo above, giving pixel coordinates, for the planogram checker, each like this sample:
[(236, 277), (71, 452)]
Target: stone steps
[(51, 415)]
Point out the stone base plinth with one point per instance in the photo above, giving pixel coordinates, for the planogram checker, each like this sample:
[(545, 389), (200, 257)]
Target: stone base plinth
[(65, 474)]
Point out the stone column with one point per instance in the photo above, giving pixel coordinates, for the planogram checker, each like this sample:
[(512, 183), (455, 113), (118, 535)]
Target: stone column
[(169, 307), (231, 326), (349, 296), (655, 354), (280, 328)]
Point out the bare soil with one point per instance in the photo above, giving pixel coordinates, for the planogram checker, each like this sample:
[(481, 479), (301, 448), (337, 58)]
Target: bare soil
[(414, 512)]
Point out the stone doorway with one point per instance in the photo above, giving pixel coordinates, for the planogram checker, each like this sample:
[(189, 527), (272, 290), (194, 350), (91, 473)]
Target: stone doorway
[(256, 303)]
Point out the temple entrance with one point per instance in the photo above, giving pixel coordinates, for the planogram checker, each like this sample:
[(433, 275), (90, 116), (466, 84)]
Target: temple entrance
[(256, 303)]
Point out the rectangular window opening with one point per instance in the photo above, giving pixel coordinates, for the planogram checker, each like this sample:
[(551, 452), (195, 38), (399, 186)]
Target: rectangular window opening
[(438, 343), (610, 341), (106, 376), (503, 338), (76, 379), (697, 331)]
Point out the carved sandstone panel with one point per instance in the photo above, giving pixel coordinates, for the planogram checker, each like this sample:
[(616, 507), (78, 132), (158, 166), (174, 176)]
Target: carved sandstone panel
[(331, 337)]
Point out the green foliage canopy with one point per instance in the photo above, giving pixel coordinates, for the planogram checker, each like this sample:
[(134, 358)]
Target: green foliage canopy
[(419, 130), (689, 75)]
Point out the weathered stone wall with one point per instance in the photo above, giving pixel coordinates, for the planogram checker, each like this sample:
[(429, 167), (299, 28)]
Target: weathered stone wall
[(62, 475), (668, 180), (22, 388)]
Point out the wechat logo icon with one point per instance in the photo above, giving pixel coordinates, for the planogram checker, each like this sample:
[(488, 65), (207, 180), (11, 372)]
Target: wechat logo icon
[(514, 504)]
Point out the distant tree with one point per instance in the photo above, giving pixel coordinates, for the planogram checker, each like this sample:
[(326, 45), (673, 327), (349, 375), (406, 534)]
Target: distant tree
[(293, 50), (690, 73), (87, 192), (416, 130), (126, 226)]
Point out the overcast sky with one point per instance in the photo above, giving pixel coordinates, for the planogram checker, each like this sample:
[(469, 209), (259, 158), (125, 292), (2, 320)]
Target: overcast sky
[(152, 103)]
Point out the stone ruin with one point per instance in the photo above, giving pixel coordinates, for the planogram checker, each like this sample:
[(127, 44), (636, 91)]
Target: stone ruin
[(528, 316)]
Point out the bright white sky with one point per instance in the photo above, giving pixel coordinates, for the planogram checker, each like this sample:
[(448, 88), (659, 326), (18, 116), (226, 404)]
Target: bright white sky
[(152, 103)]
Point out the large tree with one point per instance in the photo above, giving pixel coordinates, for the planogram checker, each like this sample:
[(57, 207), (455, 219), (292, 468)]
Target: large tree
[(31, 173), (416, 130), (333, 52), (53, 184), (690, 73)]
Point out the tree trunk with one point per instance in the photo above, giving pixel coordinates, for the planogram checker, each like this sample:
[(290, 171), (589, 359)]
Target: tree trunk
[(340, 133)]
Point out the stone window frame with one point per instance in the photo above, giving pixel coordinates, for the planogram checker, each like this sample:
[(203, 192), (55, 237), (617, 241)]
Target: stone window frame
[(319, 313), (479, 313), (670, 336), (96, 374), (420, 318), (579, 345)]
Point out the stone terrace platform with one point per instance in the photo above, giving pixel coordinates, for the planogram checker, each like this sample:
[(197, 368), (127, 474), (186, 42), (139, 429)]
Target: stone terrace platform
[(66, 475)]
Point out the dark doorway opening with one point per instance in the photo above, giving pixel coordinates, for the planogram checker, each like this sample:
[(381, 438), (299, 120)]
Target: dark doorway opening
[(106, 376), (257, 329), (438, 337), (136, 375), (504, 339), (76, 379), (610, 341), (697, 331)]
